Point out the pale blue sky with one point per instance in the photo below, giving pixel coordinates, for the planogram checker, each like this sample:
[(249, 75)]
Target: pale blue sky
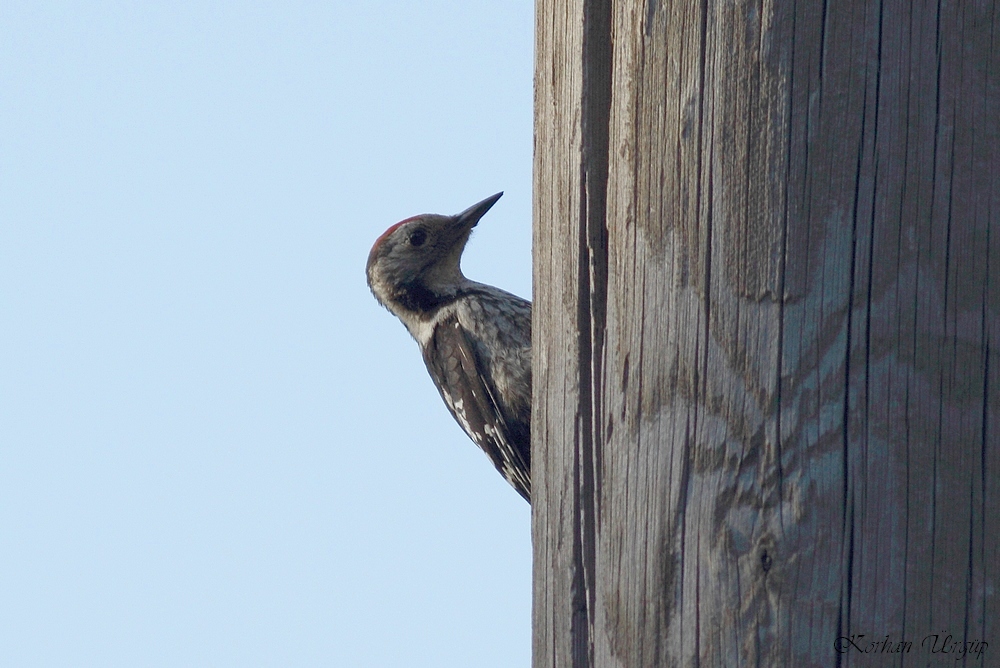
[(216, 449)]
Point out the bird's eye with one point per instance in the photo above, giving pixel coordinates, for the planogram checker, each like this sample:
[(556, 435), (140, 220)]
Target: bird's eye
[(418, 238)]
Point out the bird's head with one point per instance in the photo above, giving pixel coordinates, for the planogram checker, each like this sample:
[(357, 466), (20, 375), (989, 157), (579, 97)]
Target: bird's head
[(416, 263)]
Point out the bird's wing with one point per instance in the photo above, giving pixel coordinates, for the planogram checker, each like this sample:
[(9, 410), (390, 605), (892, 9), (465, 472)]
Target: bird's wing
[(462, 379)]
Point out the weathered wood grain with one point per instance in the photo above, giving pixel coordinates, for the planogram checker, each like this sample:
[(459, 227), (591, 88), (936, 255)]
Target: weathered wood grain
[(767, 316), (570, 179)]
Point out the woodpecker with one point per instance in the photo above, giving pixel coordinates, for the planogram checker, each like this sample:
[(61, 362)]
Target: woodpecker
[(475, 338)]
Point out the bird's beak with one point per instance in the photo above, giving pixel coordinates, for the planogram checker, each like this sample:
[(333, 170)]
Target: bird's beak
[(468, 218)]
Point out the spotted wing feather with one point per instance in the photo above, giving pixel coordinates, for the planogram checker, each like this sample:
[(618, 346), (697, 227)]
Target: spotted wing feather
[(459, 373)]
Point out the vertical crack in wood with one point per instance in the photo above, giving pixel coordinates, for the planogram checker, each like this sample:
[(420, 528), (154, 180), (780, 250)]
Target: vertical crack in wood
[(591, 313), (782, 295), (848, 526)]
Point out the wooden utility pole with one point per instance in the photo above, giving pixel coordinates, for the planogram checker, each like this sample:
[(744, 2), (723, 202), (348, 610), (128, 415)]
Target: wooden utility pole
[(766, 333)]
